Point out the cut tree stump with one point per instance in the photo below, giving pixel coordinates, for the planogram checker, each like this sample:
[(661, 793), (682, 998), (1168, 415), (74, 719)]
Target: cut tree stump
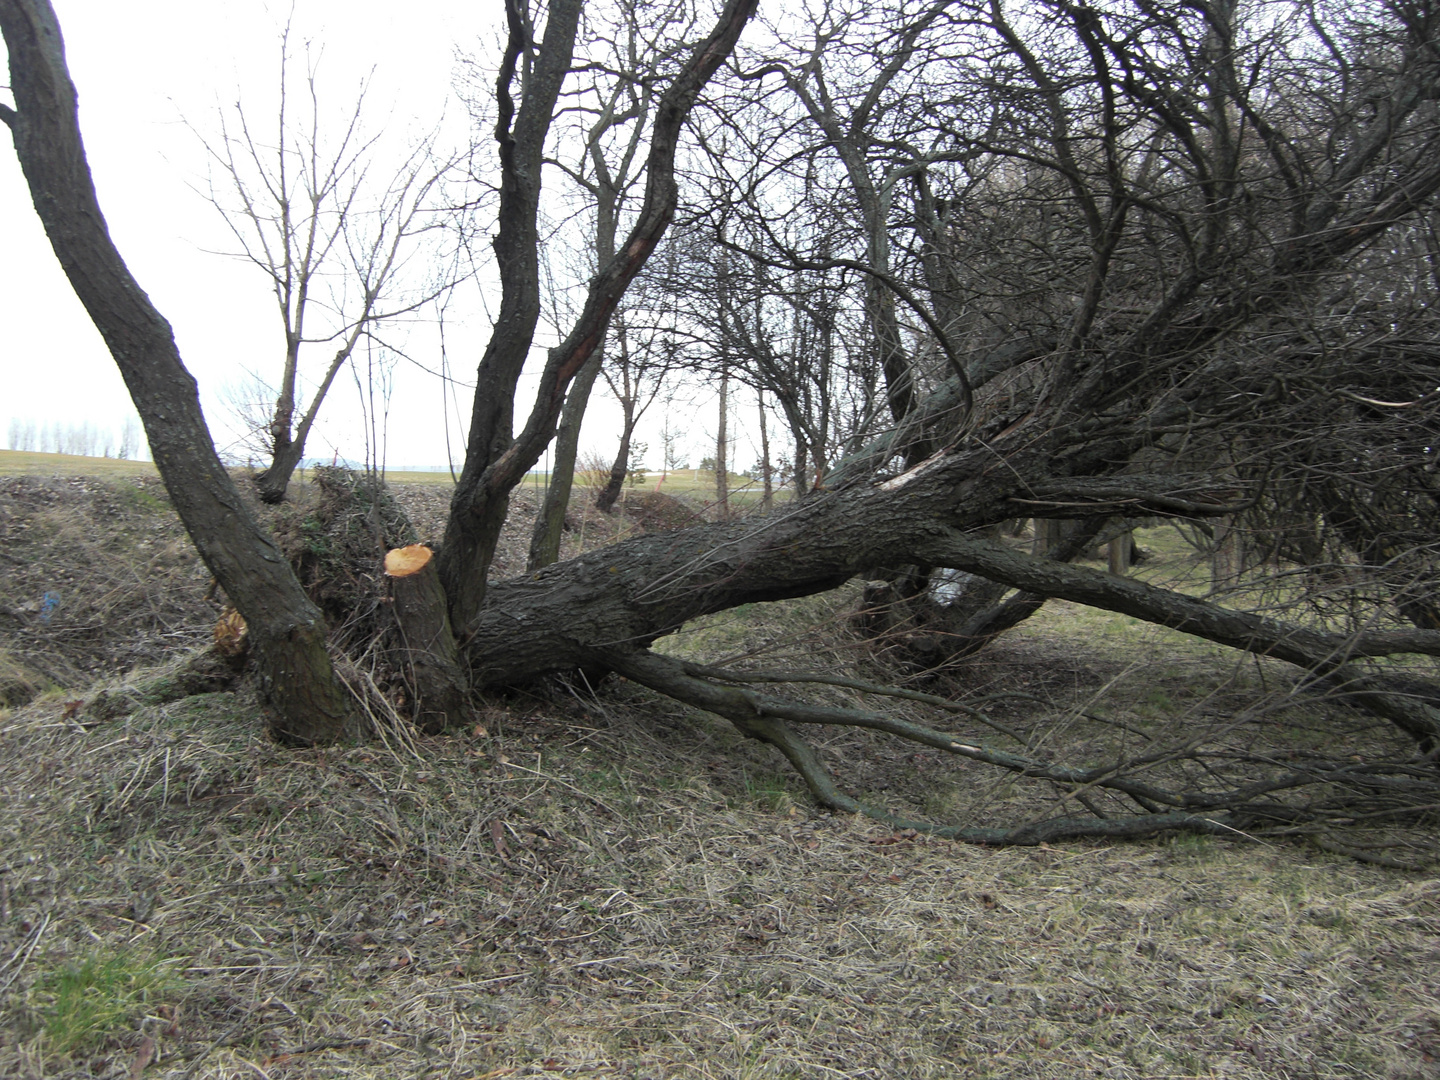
[(438, 683)]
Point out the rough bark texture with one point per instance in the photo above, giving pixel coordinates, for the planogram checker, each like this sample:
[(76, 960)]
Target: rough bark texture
[(495, 462), (287, 631), (289, 451), (579, 613), (432, 662), (274, 480), (615, 483), (550, 521), (1117, 553)]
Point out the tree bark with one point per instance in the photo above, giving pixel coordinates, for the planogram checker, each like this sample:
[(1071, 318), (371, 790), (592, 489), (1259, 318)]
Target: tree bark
[(289, 451), (630, 594), (306, 703), (767, 479), (615, 482), (722, 456), (496, 461), (482, 498), (432, 661), (550, 521)]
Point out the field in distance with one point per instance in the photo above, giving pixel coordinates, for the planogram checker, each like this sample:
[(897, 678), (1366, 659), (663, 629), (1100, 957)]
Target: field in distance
[(680, 482)]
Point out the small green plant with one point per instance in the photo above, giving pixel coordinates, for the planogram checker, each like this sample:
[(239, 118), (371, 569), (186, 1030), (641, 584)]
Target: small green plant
[(91, 997), (1193, 845), (768, 791), (1159, 700)]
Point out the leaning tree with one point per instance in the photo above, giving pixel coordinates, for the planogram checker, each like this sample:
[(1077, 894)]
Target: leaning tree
[(1207, 218)]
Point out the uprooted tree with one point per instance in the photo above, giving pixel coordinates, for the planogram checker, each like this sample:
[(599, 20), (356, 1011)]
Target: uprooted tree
[(1109, 263)]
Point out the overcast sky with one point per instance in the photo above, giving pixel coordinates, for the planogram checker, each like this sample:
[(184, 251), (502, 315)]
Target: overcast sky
[(150, 71)]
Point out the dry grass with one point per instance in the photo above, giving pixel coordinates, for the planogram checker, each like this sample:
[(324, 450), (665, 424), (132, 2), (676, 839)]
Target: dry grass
[(614, 890), (99, 577), (618, 887)]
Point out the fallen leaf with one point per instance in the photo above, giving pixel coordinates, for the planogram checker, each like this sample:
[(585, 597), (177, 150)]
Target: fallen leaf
[(143, 1057)]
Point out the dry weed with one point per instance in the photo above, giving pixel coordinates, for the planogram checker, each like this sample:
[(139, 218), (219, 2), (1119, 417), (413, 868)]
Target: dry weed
[(616, 887), (99, 577), (607, 888)]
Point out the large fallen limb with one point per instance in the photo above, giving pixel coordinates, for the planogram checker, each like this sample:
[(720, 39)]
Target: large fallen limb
[(632, 593), (1322, 654)]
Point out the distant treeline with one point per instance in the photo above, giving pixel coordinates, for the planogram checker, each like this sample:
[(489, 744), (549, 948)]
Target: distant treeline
[(84, 439)]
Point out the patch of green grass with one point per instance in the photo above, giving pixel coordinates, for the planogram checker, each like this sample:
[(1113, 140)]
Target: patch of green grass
[(769, 792), (93, 997), (1158, 702), (611, 784), (1196, 846), (142, 498)]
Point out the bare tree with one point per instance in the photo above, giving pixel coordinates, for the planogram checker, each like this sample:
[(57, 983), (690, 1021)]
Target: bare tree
[(722, 450), (1204, 205), (767, 472), (634, 371), (339, 236), (287, 629), (497, 460), (625, 64)]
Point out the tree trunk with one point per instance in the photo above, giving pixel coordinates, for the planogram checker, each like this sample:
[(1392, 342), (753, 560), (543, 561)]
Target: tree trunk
[(1118, 553), (289, 451), (615, 483), (495, 459), (722, 461), (437, 680), (305, 701), (637, 591), (550, 522), (1226, 556), (1048, 534), (274, 480), (767, 499), (482, 495)]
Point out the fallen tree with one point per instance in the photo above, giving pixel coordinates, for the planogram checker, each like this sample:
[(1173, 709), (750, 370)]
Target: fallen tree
[(1129, 410)]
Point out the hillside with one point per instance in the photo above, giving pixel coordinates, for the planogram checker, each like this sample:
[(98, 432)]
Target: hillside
[(614, 886)]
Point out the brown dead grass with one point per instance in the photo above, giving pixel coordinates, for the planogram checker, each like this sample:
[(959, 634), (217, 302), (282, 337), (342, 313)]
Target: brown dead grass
[(99, 577), (618, 887), (616, 890)]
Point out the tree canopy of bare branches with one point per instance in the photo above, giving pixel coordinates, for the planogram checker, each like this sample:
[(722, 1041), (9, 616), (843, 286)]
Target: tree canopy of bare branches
[(350, 245)]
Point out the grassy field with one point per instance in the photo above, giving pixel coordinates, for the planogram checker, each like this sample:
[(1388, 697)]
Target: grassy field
[(695, 485), (25, 463), (620, 887), (687, 482)]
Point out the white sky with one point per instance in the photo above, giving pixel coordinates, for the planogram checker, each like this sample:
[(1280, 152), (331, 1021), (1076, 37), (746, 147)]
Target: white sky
[(145, 69)]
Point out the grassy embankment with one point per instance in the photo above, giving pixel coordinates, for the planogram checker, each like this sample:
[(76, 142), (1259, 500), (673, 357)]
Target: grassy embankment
[(622, 888)]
